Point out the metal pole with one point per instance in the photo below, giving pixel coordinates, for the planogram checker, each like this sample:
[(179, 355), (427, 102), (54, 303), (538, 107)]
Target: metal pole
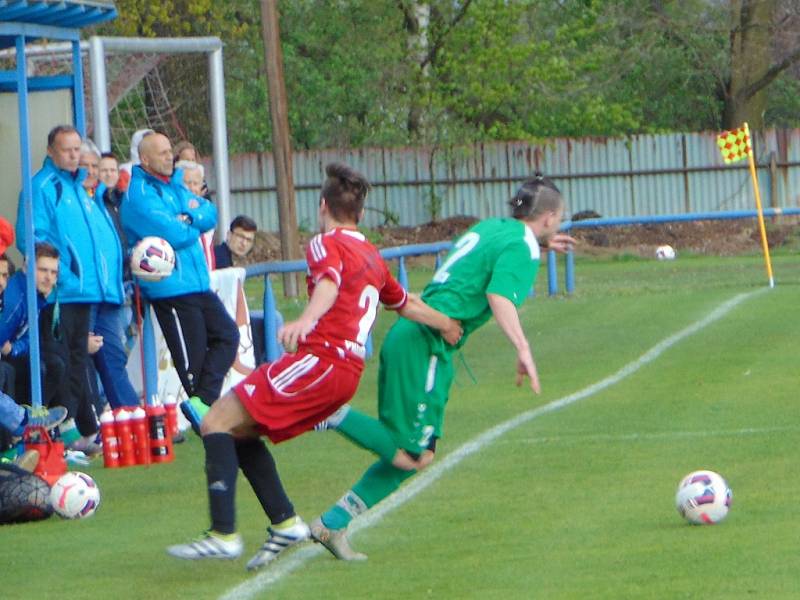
[(97, 68), (220, 141), (552, 274), (77, 89), (30, 241)]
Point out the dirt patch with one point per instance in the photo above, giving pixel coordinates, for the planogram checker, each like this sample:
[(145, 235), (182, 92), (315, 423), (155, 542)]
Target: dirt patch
[(720, 238)]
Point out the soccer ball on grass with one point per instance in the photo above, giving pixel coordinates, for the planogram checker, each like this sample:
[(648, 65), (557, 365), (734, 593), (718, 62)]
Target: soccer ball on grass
[(152, 259), (75, 495), (666, 252), (703, 498)]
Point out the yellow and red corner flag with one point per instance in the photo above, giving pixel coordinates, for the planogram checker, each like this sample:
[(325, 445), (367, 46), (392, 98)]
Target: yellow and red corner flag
[(735, 144)]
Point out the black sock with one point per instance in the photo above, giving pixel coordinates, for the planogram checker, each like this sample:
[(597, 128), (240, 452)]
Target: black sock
[(221, 471), (258, 466)]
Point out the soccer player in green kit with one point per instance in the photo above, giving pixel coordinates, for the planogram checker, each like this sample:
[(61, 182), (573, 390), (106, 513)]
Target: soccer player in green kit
[(489, 271)]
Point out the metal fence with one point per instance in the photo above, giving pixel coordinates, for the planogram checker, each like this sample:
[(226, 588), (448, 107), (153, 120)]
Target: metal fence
[(642, 175)]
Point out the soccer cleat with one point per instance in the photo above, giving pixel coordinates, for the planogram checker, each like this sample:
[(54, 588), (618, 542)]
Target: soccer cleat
[(88, 447), (278, 541), (49, 418), (335, 540), (194, 409), (209, 545)]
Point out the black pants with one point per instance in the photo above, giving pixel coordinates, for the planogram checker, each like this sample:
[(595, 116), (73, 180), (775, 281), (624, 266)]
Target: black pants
[(202, 338), (76, 398)]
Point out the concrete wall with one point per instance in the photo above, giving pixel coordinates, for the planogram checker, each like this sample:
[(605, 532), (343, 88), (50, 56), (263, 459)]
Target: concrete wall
[(46, 110)]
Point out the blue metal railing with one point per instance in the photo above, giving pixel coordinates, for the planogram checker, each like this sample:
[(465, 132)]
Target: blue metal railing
[(399, 253), (618, 221)]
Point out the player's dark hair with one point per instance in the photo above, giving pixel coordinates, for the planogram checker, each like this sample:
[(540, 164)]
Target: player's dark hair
[(46, 250), (345, 191), (243, 222), (536, 196), (109, 155), (58, 130)]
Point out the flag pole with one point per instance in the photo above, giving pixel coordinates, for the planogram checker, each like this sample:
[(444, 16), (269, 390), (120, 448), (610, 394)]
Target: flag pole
[(761, 227)]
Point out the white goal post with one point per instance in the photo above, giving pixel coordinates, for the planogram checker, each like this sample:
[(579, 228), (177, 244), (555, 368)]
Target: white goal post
[(212, 47)]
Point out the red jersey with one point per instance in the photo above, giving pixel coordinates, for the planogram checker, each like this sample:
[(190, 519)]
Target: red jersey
[(363, 279)]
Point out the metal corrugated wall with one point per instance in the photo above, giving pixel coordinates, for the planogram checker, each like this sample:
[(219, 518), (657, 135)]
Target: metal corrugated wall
[(635, 176)]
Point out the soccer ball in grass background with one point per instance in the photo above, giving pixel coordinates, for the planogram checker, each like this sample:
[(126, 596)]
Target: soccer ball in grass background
[(665, 253), (75, 495), (703, 498), (152, 259)]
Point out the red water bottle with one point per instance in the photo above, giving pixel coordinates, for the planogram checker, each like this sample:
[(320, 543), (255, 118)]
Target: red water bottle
[(108, 434), (171, 406), (141, 438), (160, 442), (127, 454)]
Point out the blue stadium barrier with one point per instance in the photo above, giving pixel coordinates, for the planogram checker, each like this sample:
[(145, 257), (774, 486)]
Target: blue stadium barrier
[(619, 221), (399, 253)]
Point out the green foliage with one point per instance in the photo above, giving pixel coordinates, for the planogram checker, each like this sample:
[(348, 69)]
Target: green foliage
[(376, 73)]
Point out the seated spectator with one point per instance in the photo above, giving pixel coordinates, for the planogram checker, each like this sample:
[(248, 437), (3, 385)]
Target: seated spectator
[(239, 243), (6, 270), (15, 418), (14, 338)]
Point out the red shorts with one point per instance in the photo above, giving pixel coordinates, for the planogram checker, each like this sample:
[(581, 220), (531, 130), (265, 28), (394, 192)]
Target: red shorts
[(294, 393)]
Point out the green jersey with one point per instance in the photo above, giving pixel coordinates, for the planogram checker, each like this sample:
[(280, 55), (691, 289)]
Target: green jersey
[(496, 256)]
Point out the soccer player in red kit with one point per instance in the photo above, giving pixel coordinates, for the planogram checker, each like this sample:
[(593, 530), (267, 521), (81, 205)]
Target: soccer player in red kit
[(347, 279)]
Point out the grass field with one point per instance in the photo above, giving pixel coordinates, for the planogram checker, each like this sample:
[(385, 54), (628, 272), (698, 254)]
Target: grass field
[(574, 502)]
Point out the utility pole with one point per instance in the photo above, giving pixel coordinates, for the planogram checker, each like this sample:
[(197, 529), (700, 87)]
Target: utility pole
[(281, 146)]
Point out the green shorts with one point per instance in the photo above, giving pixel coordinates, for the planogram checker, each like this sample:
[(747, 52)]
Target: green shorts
[(414, 377)]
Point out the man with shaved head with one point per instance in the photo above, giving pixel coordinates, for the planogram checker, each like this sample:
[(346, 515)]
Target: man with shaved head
[(200, 335)]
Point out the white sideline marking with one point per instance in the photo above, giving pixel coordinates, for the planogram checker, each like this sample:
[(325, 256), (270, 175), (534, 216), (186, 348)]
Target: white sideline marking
[(286, 565), (653, 435)]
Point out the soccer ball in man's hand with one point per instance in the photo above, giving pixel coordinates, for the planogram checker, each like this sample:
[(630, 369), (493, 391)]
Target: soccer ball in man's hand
[(665, 253), (75, 495), (703, 498), (152, 259)]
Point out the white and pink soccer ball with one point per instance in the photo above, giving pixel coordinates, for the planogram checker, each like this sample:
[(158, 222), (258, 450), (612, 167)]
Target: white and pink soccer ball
[(666, 252), (703, 498), (75, 495), (152, 259)]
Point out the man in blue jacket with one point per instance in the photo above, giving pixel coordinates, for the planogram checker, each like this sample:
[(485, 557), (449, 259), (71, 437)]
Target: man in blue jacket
[(90, 262), (201, 336)]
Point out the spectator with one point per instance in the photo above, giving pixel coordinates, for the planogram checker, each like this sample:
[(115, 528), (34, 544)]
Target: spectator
[(201, 336), (106, 329), (64, 216), (6, 270), (14, 335), (194, 180), (126, 168), (184, 150), (239, 243), (108, 170), (90, 162)]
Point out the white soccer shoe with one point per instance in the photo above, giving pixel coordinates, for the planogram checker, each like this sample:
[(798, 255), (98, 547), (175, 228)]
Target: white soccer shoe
[(278, 541), (335, 540), (209, 545)]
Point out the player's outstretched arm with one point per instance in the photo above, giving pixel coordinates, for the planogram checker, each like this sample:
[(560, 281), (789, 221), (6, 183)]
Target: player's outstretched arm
[(416, 310), (322, 298), (505, 313)]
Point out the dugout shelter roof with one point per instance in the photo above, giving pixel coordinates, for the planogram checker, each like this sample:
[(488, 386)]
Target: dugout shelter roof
[(43, 18)]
